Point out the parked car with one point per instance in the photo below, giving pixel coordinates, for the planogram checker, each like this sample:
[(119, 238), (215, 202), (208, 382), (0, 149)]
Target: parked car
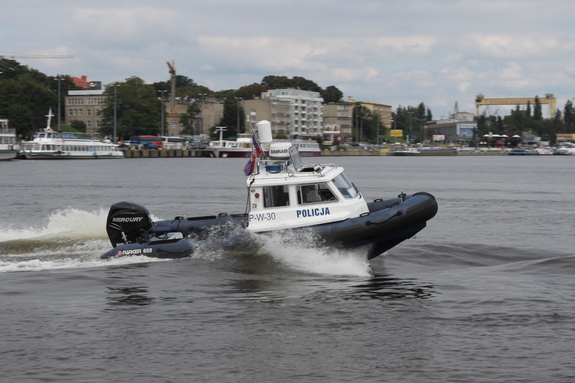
[(149, 145)]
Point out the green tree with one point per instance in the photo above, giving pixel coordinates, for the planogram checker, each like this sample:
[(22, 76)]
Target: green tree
[(181, 82), (233, 115), (537, 115), (249, 92), (26, 102), (189, 119), (25, 97), (420, 114), (138, 109), (305, 84), (411, 120), (569, 117), (331, 94), (428, 116), (276, 82), (80, 126), (366, 124), (283, 82)]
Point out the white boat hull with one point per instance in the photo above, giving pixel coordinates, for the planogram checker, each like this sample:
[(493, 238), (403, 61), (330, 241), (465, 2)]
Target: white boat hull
[(58, 155), (8, 154)]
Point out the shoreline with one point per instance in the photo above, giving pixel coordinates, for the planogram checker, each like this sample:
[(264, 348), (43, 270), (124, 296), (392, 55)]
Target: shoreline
[(180, 153)]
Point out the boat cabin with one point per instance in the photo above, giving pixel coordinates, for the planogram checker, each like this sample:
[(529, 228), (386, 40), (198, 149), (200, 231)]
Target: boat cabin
[(285, 192), (48, 135)]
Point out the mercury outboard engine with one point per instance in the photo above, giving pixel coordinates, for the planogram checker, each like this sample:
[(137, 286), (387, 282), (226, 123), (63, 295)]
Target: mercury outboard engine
[(128, 222)]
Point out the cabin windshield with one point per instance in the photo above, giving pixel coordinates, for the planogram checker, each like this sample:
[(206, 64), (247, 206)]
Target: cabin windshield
[(345, 187), (314, 193)]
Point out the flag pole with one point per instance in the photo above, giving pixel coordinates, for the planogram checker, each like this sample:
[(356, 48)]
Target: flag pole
[(255, 134)]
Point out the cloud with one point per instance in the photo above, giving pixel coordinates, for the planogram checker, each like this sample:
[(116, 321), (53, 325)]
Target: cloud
[(394, 52)]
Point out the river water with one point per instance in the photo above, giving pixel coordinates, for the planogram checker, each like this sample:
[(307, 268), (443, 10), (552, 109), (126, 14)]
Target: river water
[(483, 294)]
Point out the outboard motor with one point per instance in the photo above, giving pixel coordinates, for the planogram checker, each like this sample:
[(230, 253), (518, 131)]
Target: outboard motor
[(128, 222)]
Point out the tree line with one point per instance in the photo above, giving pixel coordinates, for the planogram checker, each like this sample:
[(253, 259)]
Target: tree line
[(529, 120)]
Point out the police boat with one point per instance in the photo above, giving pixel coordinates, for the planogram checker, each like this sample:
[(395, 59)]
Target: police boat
[(285, 194)]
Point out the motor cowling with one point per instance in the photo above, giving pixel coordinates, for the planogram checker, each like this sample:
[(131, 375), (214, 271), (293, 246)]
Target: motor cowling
[(128, 222)]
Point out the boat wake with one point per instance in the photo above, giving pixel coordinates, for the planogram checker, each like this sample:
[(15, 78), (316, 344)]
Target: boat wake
[(71, 238), (74, 238), (304, 253)]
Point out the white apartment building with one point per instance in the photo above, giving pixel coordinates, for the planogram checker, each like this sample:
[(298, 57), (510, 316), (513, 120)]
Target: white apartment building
[(305, 110)]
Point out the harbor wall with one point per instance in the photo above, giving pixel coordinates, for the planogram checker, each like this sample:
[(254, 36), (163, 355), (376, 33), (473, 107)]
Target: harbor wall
[(173, 153), (164, 153)]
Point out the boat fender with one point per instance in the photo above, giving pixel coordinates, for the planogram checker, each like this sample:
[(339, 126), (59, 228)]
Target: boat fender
[(398, 214), (425, 194)]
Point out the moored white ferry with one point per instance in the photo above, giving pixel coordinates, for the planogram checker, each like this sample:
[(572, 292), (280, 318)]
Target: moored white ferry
[(50, 144)]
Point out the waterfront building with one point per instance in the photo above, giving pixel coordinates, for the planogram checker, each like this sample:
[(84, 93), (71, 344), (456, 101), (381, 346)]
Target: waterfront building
[(211, 112), (304, 117), (84, 106), (337, 122), (276, 111)]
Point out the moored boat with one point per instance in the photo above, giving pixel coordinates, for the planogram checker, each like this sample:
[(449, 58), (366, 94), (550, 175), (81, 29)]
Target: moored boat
[(545, 151), (566, 149), (523, 152), (50, 144), (9, 147), (242, 147), (407, 152), (285, 195)]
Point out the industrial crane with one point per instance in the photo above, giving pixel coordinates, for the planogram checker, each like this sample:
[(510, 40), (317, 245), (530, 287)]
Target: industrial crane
[(172, 67)]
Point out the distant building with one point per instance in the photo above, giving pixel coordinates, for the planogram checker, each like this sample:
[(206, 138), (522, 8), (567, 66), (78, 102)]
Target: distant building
[(563, 137), (305, 110), (211, 112), (450, 131), (337, 122), (85, 105), (459, 128), (383, 111), (82, 82), (276, 111)]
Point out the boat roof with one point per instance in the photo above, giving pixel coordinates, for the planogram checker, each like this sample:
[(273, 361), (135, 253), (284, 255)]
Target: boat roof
[(273, 171)]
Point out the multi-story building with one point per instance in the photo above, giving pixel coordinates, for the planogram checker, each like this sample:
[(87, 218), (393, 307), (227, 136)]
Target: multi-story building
[(84, 105), (337, 122), (274, 110), (305, 113), (211, 112), (384, 111)]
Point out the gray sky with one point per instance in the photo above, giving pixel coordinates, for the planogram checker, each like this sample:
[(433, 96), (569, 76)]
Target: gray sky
[(395, 52)]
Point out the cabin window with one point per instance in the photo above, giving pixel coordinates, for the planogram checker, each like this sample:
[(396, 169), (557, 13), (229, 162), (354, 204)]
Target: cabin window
[(345, 187), (276, 196), (314, 193)]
